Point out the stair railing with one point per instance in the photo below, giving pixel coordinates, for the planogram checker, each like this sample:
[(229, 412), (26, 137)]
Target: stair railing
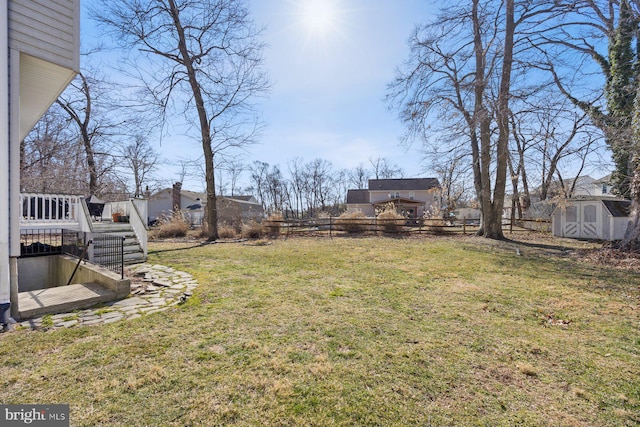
[(84, 252)]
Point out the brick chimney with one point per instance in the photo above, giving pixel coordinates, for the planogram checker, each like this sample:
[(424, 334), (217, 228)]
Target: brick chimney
[(176, 196)]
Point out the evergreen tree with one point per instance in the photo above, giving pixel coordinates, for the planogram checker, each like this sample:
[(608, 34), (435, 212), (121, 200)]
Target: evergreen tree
[(621, 92)]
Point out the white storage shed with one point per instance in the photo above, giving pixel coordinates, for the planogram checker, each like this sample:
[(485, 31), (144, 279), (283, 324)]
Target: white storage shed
[(602, 218)]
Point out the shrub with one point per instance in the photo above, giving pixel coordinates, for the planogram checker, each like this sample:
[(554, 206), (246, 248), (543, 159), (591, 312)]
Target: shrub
[(352, 222), (175, 226), (435, 225), (226, 231), (251, 230), (390, 221)]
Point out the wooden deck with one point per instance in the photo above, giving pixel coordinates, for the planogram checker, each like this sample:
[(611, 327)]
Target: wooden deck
[(62, 299)]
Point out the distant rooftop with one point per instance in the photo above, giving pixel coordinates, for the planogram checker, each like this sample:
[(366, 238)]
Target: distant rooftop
[(400, 184)]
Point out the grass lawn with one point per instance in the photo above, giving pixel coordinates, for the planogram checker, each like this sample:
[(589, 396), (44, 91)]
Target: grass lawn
[(353, 332)]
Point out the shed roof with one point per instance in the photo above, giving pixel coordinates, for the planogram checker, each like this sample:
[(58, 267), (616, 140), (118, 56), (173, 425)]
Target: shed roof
[(357, 196), (400, 201), (618, 208), (403, 184)]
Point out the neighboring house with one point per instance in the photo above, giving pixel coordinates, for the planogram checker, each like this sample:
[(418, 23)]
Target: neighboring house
[(603, 187), (585, 186), (582, 186), (231, 209), (467, 213), (412, 197), (39, 56), (591, 217)]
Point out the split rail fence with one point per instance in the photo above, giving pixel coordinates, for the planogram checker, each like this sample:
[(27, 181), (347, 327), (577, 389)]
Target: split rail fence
[(335, 226)]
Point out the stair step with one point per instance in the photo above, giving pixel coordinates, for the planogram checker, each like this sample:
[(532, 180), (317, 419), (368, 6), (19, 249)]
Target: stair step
[(132, 249)]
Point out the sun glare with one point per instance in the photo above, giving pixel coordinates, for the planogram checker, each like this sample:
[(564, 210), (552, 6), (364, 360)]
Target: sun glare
[(321, 21), (318, 16)]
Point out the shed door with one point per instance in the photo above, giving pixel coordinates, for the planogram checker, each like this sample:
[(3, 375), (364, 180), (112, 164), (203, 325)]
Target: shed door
[(589, 222), (581, 221), (571, 224)]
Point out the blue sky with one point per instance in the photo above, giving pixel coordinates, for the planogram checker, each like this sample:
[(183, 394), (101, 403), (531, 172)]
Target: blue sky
[(329, 83), (329, 62)]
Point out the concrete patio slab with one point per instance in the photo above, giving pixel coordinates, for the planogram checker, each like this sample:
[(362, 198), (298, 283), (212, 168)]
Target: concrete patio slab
[(62, 299)]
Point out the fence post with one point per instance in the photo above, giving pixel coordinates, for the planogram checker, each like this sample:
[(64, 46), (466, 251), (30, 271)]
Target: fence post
[(122, 257), (464, 226), (330, 226)]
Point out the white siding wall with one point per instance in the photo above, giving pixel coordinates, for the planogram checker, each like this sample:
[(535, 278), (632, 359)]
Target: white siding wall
[(619, 227), (46, 29)]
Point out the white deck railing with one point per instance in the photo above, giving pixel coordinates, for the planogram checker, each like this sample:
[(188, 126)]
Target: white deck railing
[(49, 209), (42, 211)]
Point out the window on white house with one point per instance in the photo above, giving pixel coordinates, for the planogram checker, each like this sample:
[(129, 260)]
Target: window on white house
[(412, 195), (397, 194), (604, 188)]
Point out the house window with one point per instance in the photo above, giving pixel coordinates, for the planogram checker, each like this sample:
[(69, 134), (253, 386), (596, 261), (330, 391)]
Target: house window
[(590, 213), (397, 194), (572, 214), (604, 188), (412, 195)]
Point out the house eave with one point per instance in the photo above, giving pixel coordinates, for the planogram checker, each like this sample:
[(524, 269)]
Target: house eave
[(41, 82)]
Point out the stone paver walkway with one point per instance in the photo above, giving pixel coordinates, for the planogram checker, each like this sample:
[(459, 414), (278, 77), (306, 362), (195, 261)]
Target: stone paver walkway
[(154, 288)]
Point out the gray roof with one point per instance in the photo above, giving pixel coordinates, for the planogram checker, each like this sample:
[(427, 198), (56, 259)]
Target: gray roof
[(357, 196), (403, 184), (618, 208), (245, 198)]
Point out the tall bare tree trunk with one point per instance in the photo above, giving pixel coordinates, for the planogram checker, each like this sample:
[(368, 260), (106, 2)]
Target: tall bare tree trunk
[(205, 128), (83, 126), (493, 207)]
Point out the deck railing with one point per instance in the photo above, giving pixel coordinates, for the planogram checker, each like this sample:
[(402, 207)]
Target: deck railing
[(107, 250), (40, 242), (36, 208)]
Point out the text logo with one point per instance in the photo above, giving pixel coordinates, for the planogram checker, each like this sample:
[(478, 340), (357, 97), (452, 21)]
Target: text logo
[(34, 415)]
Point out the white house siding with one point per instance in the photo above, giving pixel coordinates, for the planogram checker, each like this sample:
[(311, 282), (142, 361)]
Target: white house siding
[(46, 29), (42, 44)]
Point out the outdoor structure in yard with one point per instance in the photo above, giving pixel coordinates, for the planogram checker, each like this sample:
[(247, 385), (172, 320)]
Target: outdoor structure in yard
[(412, 197), (602, 218), (39, 56), (231, 209)]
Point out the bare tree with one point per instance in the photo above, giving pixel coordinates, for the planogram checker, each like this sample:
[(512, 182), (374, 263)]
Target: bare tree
[(599, 41), (206, 59), (359, 177), (85, 104), (259, 171), (460, 72), (51, 158), (297, 185), (319, 176), (140, 160), (234, 171), (452, 168), (383, 170)]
